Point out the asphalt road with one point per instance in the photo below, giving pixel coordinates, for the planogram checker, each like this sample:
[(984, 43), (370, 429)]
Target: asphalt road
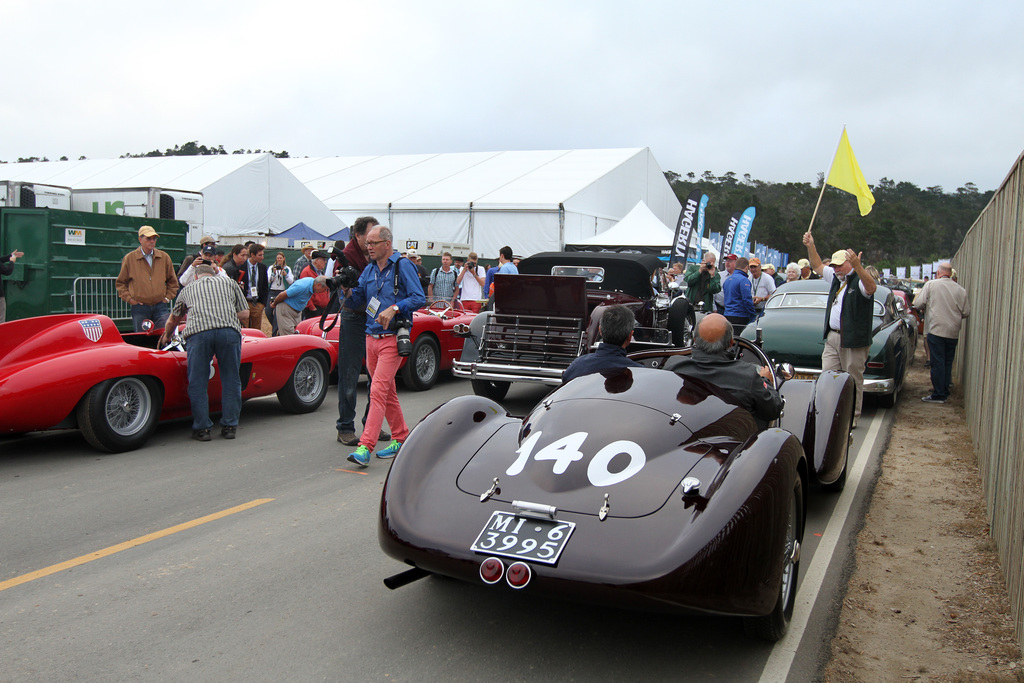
[(111, 568)]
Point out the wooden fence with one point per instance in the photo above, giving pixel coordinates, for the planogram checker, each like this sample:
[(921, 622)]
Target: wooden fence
[(990, 368)]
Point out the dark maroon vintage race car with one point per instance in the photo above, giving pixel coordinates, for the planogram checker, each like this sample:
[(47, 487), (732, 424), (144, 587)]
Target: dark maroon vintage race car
[(643, 488), (548, 315)]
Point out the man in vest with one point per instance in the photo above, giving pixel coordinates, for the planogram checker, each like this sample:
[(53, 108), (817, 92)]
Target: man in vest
[(847, 315)]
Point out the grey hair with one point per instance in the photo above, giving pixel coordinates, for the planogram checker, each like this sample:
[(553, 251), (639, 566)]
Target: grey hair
[(616, 324), (795, 267), (716, 347), (320, 280), (384, 232), (204, 269)]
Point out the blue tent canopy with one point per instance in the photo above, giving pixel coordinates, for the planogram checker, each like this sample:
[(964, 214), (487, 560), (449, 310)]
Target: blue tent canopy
[(300, 231), (340, 235)]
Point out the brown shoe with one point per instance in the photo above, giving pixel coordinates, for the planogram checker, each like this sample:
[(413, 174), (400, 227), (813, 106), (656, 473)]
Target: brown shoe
[(384, 436), (348, 438)]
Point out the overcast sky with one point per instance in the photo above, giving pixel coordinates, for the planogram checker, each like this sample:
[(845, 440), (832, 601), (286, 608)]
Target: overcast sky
[(931, 92)]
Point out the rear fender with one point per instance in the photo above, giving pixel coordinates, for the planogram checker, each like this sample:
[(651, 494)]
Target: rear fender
[(443, 442), (834, 397)]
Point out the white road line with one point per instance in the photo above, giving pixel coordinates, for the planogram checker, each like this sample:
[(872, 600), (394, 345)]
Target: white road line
[(781, 659)]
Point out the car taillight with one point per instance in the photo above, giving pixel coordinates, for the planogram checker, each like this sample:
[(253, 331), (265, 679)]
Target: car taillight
[(491, 570), (876, 365), (518, 575)]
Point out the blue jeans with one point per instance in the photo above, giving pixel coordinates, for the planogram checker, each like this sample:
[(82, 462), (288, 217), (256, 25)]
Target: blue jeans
[(156, 312), (942, 350), (226, 344), (351, 351)]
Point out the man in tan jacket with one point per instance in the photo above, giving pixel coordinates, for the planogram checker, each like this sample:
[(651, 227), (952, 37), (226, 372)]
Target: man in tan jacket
[(147, 281), (946, 305)]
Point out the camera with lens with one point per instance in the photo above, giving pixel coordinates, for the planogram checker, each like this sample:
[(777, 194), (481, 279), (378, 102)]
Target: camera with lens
[(403, 327), (346, 279)]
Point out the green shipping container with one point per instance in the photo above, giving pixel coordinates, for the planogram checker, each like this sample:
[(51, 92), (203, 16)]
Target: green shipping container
[(64, 246)]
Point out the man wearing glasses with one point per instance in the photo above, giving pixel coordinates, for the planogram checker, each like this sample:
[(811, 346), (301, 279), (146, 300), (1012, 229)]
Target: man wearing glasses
[(388, 288)]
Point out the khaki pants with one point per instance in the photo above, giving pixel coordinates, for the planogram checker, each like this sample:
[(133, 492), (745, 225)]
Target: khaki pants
[(287, 319), (853, 361), (255, 315)]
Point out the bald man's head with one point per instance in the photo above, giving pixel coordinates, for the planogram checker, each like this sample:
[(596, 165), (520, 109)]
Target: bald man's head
[(714, 334)]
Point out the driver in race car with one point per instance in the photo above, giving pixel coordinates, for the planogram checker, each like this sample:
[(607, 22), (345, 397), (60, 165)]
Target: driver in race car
[(616, 329), (749, 384)]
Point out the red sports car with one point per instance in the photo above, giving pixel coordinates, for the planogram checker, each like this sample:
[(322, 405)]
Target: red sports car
[(434, 347), (78, 371)]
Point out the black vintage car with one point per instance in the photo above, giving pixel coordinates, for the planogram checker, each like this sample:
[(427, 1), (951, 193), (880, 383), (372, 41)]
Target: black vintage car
[(547, 316), (640, 488)]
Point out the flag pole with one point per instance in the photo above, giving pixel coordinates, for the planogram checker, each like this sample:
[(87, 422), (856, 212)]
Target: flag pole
[(824, 181)]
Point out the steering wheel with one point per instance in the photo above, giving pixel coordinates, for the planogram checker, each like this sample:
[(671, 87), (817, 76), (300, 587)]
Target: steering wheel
[(177, 343), (439, 307), (748, 351)]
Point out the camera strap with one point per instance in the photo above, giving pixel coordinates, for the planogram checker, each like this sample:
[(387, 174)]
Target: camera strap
[(330, 305)]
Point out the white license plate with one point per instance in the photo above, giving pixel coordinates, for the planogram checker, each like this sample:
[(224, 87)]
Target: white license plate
[(525, 538)]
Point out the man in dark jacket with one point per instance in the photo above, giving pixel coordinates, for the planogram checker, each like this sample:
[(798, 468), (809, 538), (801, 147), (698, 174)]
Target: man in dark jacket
[(616, 329), (848, 314), (749, 384)]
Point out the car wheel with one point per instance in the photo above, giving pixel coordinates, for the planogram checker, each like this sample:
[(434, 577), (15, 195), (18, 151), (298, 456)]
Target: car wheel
[(423, 365), (492, 389), (681, 321), (306, 389), (774, 625), (888, 400), (120, 414)]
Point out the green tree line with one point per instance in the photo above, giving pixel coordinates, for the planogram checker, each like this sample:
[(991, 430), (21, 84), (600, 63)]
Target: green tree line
[(188, 149), (907, 225)]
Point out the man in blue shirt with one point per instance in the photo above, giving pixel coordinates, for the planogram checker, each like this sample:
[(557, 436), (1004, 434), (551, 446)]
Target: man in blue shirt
[(616, 327), (295, 299), (385, 296), (739, 298)]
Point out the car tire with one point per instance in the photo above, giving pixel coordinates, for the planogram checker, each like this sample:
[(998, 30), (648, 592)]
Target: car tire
[(423, 366), (681, 320), (306, 387), (490, 388), (120, 414), (773, 626)]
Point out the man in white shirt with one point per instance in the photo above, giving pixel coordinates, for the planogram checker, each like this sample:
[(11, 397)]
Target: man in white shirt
[(471, 282)]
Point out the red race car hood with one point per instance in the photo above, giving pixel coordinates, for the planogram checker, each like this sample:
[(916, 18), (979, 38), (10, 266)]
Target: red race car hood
[(633, 435)]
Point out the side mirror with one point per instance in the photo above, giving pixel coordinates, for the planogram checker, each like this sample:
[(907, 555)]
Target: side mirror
[(785, 371)]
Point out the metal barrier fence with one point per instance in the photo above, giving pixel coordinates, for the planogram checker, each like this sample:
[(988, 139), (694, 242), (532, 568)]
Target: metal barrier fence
[(98, 295), (990, 368)]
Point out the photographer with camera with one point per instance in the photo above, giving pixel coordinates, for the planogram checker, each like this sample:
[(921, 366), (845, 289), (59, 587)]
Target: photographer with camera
[(703, 282), (389, 289), (279, 278), (471, 281), (207, 257)]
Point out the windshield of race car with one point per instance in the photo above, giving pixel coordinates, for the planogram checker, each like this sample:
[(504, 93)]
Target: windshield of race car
[(806, 300)]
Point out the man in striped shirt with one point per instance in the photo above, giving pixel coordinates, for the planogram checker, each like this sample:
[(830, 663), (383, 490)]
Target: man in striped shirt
[(216, 308)]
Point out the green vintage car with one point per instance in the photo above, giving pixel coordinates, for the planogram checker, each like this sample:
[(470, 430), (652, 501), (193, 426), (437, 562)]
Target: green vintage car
[(792, 326)]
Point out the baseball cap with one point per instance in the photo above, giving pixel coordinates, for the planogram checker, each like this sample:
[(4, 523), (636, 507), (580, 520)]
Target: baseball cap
[(754, 261), (209, 249), (207, 239), (839, 258), (411, 252), (804, 263), (731, 257), (147, 231)]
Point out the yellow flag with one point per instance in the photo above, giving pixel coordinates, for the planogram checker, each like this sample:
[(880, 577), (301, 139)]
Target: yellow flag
[(846, 175)]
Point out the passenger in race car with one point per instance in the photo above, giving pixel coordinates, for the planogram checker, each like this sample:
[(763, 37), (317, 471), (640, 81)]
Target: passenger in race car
[(616, 328), (749, 384)]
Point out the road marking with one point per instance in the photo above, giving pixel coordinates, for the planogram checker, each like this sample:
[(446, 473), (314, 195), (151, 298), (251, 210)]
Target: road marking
[(781, 658), (339, 469), (53, 569)]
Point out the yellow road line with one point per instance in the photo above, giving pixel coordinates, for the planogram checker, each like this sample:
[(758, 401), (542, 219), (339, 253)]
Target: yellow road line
[(338, 469), (53, 569)]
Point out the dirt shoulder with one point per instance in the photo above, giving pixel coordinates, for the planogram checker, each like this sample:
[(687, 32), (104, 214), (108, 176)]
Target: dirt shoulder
[(927, 600)]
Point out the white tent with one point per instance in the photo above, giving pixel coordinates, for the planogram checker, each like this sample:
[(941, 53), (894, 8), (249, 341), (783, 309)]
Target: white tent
[(639, 232), (532, 201), (243, 194)]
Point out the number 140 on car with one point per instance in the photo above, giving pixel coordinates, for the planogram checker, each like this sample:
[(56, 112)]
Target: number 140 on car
[(528, 538)]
